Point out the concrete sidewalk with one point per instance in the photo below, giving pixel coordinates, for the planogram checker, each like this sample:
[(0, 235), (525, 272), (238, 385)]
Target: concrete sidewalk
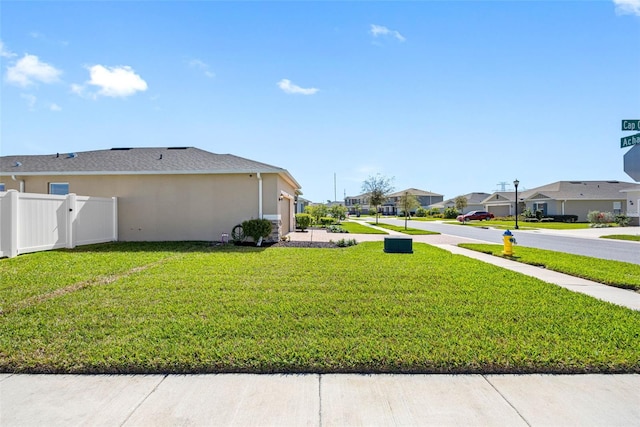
[(624, 297), (319, 400)]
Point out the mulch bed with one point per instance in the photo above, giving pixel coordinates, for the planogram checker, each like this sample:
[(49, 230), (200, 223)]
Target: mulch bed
[(305, 245), (290, 244)]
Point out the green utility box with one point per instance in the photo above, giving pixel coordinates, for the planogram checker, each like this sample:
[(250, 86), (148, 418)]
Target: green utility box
[(398, 245)]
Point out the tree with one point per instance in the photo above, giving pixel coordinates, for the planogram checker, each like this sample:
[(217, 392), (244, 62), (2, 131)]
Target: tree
[(407, 202), (377, 188), (317, 211), (461, 203), (339, 212)]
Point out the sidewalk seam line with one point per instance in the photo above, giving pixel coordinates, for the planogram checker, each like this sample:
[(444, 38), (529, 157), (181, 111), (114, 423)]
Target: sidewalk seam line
[(320, 400), (506, 400), (144, 400)]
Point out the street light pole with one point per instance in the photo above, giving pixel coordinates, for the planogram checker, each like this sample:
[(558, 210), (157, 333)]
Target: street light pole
[(516, 182)]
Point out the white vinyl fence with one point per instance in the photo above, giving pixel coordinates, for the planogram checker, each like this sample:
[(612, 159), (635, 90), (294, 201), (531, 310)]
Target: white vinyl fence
[(38, 222)]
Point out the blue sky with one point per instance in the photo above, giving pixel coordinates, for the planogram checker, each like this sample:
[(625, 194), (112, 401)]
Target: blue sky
[(446, 96)]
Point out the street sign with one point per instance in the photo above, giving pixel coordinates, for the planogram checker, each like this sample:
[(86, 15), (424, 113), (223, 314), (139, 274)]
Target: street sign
[(632, 163), (628, 141), (631, 125)]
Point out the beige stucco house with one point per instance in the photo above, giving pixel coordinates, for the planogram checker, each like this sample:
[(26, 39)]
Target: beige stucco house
[(174, 193), (567, 198)]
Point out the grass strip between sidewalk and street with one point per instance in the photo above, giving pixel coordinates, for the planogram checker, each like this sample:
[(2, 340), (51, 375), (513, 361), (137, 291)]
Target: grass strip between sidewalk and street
[(401, 229), (357, 228), (196, 308), (614, 273), (630, 237)]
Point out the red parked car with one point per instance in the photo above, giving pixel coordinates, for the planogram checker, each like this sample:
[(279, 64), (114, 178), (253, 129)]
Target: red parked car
[(477, 215)]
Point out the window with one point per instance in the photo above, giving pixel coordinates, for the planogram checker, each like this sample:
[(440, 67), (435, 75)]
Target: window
[(2, 186), (542, 207), (617, 208), (60, 188)]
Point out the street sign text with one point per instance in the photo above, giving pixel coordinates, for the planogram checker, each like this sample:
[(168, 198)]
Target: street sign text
[(631, 125), (628, 141)]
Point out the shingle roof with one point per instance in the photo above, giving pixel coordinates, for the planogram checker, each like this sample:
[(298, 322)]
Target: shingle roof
[(580, 190), (569, 190), (415, 192), (472, 199), (162, 160)]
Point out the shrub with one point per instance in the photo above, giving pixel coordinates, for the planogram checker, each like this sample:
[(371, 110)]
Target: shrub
[(343, 243), (564, 218), (600, 219), (257, 229), (336, 229), (450, 213), (421, 212), (303, 221), (326, 220), (435, 212), (622, 220)]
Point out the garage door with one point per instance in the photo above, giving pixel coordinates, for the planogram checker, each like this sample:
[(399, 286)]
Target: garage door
[(499, 210)]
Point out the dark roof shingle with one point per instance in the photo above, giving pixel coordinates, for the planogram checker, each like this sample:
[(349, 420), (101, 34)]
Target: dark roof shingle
[(133, 160)]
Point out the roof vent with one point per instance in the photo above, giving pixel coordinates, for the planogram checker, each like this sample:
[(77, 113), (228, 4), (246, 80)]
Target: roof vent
[(177, 148), (575, 182), (613, 182), (121, 149), (18, 164), (72, 155)]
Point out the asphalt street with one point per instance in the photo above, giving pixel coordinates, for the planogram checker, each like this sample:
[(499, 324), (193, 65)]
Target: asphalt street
[(542, 239)]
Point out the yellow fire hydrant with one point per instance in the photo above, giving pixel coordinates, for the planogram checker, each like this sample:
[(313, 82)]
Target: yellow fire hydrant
[(509, 240)]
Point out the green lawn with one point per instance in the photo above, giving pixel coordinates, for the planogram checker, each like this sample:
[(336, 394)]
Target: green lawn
[(409, 230), (357, 228), (192, 308), (631, 237), (614, 273), (510, 225)]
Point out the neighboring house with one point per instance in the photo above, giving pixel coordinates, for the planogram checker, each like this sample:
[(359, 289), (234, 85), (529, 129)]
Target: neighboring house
[(425, 198), (502, 203), (301, 204), (633, 204), (565, 198), (353, 202), (175, 193), (474, 202), (390, 207)]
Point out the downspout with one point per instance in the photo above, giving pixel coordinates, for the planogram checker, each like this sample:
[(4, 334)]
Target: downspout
[(13, 177), (563, 206), (259, 194)]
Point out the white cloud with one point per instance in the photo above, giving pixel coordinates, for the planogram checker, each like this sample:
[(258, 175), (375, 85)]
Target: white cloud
[(196, 63), (289, 87), (29, 69), (30, 100), (379, 30), (627, 7), (77, 89), (55, 107), (112, 81), (4, 52)]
